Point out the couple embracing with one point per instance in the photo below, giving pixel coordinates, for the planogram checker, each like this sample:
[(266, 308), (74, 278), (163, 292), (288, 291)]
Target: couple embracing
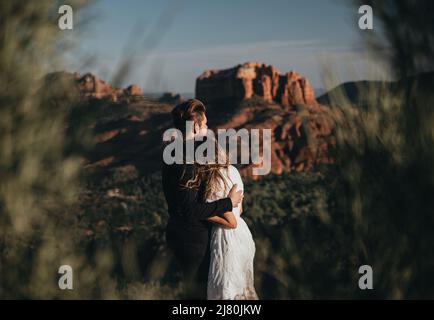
[(210, 241)]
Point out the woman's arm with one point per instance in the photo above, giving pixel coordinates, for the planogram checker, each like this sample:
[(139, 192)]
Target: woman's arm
[(228, 220)]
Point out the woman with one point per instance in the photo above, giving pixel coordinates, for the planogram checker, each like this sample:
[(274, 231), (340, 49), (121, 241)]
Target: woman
[(232, 249)]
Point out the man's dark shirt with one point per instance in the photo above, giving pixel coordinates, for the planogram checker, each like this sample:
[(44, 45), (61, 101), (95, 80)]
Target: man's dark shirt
[(187, 212), (188, 231)]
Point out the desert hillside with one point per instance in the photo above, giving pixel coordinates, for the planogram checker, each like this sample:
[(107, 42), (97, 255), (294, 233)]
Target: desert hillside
[(129, 125)]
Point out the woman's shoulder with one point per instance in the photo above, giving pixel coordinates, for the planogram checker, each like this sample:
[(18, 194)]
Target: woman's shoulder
[(234, 174), (233, 169)]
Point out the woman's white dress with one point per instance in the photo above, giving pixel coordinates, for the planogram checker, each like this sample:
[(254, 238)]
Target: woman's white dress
[(230, 275)]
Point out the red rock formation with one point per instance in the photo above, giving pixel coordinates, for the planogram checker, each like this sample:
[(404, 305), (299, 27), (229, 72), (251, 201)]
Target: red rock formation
[(252, 78), (301, 128), (295, 90), (133, 90), (91, 86), (301, 137), (131, 136)]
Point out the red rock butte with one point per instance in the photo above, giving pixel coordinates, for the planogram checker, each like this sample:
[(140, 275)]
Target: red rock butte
[(129, 134), (252, 78), (302, 129), (93, 87)]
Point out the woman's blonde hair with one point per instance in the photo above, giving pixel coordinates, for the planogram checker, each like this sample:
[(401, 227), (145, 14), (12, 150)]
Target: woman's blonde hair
[(207, 177)]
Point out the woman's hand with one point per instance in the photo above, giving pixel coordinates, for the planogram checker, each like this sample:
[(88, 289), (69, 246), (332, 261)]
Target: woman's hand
[(235, 196)]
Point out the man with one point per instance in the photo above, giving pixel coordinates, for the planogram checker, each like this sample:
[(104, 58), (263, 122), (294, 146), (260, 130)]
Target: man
[(187, 231)]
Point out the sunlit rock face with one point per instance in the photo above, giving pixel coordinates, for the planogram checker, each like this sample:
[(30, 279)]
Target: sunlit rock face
[(251, 78), (93, 87), (257, 96), (129, 126)]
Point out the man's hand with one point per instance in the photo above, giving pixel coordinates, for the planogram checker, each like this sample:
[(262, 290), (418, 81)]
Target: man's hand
[(235, 196)]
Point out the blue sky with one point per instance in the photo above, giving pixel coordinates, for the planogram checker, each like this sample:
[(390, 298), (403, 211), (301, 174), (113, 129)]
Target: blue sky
[(171, 42)]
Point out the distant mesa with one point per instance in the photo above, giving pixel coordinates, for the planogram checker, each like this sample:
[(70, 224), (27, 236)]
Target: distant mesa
[(252, 78), (133, 90), (92, 87)]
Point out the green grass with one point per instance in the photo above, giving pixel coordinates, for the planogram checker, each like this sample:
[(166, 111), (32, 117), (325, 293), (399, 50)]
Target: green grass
[(301, 245)]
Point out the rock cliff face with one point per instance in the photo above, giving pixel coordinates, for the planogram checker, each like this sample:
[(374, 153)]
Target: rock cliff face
[(257, 96), (133, 90), (251, 78), (301, 136), (128, 129), (92, 87)]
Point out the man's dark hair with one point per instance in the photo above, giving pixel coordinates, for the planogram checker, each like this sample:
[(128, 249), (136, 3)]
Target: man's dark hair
[(190, 110)]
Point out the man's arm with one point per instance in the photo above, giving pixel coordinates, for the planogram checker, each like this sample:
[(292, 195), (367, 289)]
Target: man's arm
[(190, 205)]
